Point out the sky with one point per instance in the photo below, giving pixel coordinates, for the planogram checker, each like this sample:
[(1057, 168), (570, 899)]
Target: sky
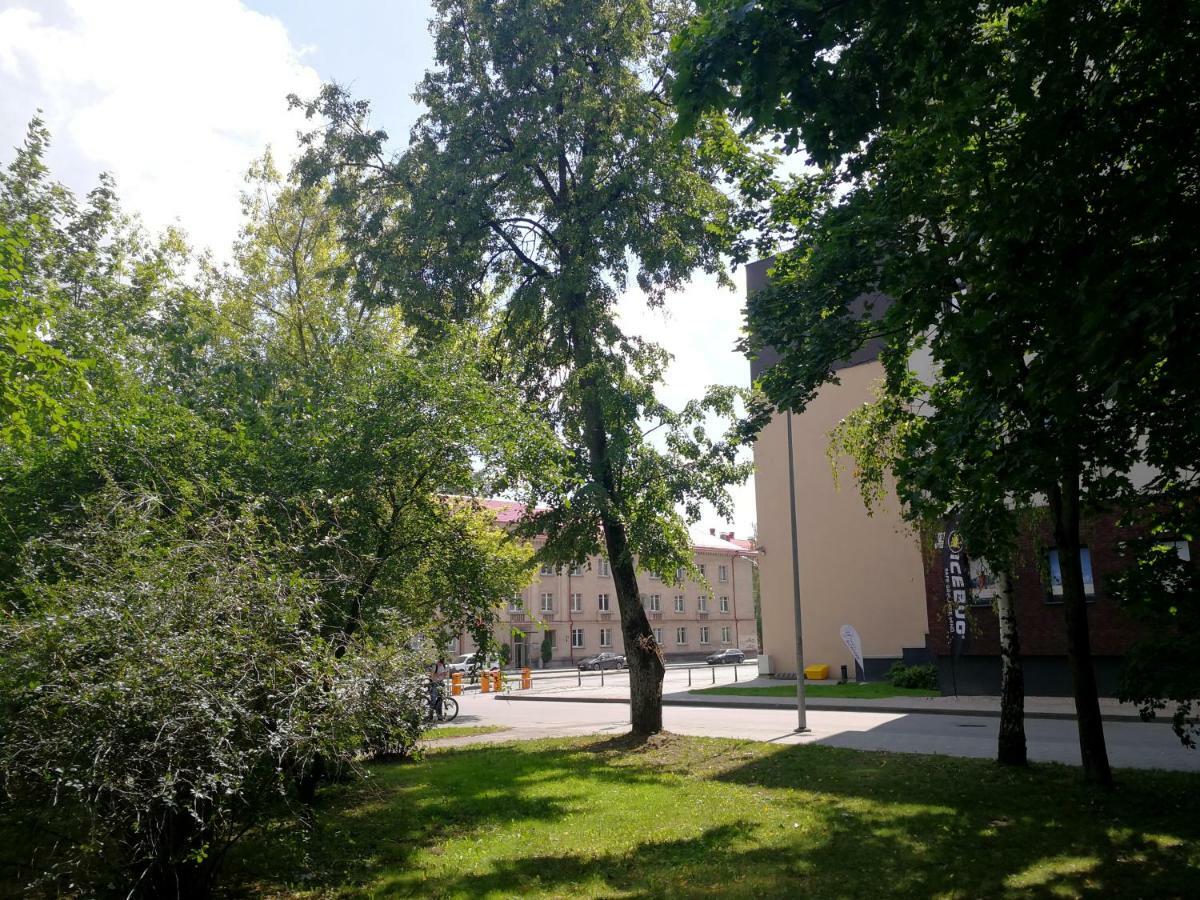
[(176, 97)]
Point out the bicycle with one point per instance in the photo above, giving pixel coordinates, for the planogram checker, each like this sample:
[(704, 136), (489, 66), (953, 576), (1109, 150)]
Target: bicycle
[(449, 705)]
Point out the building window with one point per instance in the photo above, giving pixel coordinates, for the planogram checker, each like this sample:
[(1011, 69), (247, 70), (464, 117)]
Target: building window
[(681, 635), (680, 603), (701, 567), (576, 638), (576, 571), (652, 576), (658, 636), (546, 569), (515, 603), (679, 575), (984, 585), (722, 573), (1085, 559), (723, 604), (725, 634), (547, 603), (577, 602), (602, 602), (702, 604), (602, 565), (605, 637), (655, 603), (550, 633), (704, 634), (455, 644)]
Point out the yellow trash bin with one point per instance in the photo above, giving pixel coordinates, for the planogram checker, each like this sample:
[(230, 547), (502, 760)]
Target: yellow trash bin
[(816, 672)]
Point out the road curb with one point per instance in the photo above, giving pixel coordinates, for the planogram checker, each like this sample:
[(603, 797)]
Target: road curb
[(821, 705)]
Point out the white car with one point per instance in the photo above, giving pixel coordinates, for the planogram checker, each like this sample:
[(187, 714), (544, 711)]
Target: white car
[(468, 664)]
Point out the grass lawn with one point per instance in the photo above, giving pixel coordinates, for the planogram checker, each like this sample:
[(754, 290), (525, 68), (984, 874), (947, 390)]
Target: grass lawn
[(872, 690), (697, 817), (453, 731)]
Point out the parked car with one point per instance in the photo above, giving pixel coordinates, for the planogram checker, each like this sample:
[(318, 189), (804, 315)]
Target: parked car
[(469, 664), (727, 656), (602, 661)]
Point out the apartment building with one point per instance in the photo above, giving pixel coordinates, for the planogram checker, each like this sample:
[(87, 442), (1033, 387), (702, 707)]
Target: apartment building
[(576, 606)]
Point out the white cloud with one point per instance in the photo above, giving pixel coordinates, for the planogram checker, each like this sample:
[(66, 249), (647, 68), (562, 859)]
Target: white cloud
[(699, 326), (174, 98)]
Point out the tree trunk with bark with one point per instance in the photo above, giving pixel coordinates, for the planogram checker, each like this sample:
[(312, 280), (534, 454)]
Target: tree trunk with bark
[(1064, 504), (1011, 747), (641, 650)]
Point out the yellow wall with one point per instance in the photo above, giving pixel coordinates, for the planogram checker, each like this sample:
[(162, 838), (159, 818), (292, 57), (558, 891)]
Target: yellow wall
[(855, 569)]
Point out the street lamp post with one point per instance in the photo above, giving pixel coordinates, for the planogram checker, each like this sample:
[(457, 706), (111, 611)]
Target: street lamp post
[(801, 712)]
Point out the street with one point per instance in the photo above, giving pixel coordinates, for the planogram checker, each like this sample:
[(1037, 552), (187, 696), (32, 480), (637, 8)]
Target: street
[(1130, 745)]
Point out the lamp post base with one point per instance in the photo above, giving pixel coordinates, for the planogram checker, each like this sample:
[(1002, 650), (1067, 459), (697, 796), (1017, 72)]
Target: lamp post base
[(801, 730)]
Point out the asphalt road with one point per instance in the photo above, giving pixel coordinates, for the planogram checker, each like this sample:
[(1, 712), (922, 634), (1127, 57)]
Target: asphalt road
[(1130, 745)]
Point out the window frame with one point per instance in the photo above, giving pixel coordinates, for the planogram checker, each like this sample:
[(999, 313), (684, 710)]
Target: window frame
[(1050, 554)]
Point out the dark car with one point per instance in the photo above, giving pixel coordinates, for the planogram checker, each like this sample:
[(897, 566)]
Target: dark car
[(602, 661), (726, 656)]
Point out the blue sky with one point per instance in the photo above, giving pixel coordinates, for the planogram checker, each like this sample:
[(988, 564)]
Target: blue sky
[(177, 97)]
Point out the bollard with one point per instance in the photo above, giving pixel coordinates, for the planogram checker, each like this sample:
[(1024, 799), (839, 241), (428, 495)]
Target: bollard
[(602, 676), (689, 676), (498, 681), (485, 683), (735, 668), (455, 683), (526, 678), (714, 671), (578, 677)]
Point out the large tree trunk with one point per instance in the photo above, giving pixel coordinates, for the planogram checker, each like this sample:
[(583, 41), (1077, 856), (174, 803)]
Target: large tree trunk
[(1011, 748), (1064, 504), (641, 650)]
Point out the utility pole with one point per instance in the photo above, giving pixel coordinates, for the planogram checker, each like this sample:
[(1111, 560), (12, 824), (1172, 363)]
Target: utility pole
[(801, 711)]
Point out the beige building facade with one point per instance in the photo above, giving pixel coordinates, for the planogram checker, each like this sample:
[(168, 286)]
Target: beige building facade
[(577, 607), (855, 569)]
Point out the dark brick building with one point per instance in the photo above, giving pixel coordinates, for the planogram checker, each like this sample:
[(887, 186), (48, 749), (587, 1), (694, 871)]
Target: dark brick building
[(1040, 615)]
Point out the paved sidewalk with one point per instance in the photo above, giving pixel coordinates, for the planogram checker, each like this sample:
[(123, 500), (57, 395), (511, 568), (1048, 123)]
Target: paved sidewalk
[(1130, 744), (615, 688)]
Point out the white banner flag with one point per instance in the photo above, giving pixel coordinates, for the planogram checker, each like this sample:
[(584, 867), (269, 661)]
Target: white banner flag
[(854, 642)]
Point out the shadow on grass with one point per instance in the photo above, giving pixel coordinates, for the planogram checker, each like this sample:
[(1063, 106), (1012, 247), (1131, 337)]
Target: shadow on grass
[(708, 818)]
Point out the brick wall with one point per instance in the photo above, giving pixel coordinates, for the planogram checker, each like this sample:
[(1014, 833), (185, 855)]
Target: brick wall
[(1039, 616)]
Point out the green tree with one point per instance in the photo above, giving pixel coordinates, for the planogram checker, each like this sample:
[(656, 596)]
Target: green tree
[(541, 180), (34, 374), (1020, 179), (942, 455)]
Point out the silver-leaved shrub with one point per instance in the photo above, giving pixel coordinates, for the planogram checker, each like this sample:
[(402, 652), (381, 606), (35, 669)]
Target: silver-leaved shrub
[(166, 682)]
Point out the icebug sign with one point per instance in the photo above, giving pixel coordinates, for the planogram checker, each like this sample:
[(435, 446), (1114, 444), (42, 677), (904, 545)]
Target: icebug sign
[(955, 576)]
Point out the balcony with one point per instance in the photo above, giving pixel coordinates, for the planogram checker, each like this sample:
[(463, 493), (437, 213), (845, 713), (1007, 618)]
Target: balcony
[(603, 614), (517, 615), (702, 614), (655, 614), (548, 615)]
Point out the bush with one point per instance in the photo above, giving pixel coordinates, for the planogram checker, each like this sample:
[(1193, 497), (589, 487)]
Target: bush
[(164, 687), (923, 676)]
